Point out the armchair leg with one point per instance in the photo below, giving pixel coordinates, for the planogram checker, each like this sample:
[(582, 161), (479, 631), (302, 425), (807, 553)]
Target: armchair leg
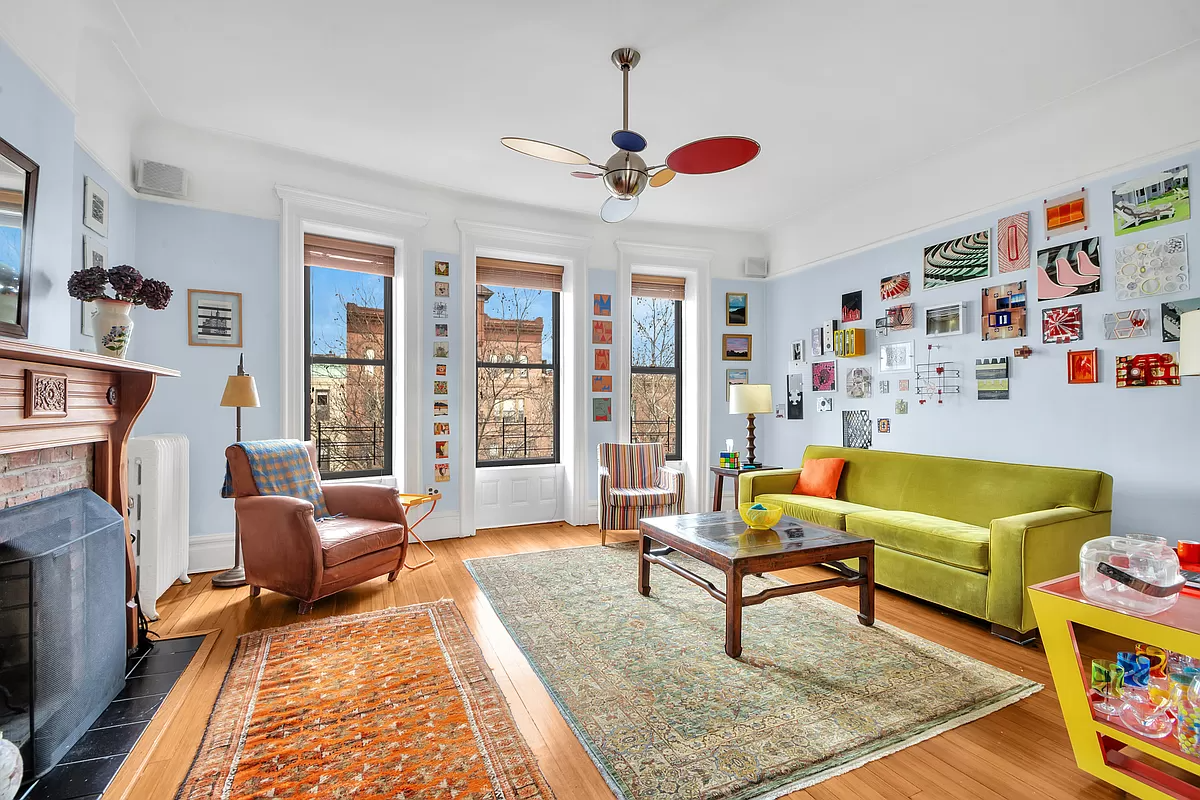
[(392, 575), (304, 607), (255, 591), (603, 537)]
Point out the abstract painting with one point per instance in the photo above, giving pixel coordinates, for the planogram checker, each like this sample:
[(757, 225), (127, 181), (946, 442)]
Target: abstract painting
[(991, 378), (895, 286), (440, 370), (601, 409), (441, 309), (944, 320), (1062, 324), (1170, 317), (896, 357), (1066, 214), (1147, 369), (856, 429), (601, 332), (736, 311), (905, 384), (602, 305), (735, 377), (1003, 315), (824, 404), (441, 473), (441, 449), (601, 360), (884, 425), (817, 342), (441, 288), (1152, 267), (441, 268), (601, 383), (881, 326), (885, 387), (1148, 201), (795, 396), (901, 406), (1083, 366), (1012, 242), (824, 376), (441, 349), (441, 330), (852, 306), (1069, 270), (440, 387), (736, 347), (900, 318), (966, 258), (1132, 324), (858, 383)]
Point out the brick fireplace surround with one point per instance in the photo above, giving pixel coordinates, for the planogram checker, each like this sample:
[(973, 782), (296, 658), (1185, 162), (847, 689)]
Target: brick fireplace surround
[(33, 474)]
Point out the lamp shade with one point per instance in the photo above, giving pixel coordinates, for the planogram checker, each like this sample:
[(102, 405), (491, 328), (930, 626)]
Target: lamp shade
[(1189, 343), (240, 392), (750, 398)]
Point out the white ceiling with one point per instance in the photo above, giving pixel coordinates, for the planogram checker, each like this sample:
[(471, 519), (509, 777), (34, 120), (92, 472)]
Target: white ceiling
[(838, 93)]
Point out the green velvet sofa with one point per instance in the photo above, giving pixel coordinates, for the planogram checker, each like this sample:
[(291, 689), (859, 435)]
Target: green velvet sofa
[(965, 534)]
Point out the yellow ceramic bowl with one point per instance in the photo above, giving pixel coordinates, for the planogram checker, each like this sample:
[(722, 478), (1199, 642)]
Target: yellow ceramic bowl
[(760, 519)]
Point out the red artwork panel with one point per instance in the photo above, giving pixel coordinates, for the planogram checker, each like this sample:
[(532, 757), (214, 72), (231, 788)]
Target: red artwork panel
[(1083, 366), (1062, 325), (1147, 369)]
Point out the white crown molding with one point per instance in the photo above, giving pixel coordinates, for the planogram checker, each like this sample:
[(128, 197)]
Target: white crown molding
[(319, 201), (124, 183), (51, 85), (664, 251), (489, 230)]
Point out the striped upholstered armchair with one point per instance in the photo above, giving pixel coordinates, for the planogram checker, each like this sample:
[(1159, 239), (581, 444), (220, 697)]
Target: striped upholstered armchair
[(634, 483)]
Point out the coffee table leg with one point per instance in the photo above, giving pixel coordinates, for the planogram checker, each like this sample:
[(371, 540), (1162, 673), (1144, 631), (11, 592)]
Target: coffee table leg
[(866, 592), (733, 613), (643, 565)]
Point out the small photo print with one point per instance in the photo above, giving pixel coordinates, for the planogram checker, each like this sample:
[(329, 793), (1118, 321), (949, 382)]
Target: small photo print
[(95, 206), (602, 359), (441, 330), (440, 369), (441, 268), (441, 387), (601, 409), (441, 409), (601, 332), (602, 305), (95, 254), (441, 473), (601, 383), (441, 309), (441, 429), (441, 288), (441, 349), (441, 449)]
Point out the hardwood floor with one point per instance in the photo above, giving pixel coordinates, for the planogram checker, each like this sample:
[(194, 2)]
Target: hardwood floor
[(1021, 751)]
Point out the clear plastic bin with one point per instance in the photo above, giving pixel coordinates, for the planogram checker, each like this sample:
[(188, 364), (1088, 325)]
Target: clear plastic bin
[(1135, 572)]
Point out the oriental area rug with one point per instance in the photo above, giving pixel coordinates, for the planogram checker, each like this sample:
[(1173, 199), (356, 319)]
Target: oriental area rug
[(663, 712), (387, 704)]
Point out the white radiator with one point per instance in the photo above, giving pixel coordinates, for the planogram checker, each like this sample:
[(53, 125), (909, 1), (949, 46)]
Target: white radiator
[(158, 494)]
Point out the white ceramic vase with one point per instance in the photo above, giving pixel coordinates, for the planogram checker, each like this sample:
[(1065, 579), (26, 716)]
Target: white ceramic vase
[(11, 769), (112, 327)]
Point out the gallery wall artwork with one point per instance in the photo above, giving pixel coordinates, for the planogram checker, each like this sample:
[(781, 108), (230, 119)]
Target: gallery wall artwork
[(1012, 242), (885, 387), (1003, 311), (856, 429), (852, 306), (214, 318), (441, 409), (824, 404), (824, 376), (884, 425), (735, 377), (441, 429), (817, 342), (1066, 214), (439, 370), (602, 359), (893, 287), (900, 318), (736, 308), (1083, 366), (602, 383), (904, 384), (441, 350), (795, 396), (441, 288), (95, 206), (601, 332), (441, 330), (956, 261), (945, 320), (736, 347), (601, 409), (858, 383), (602, 305), (1069, 270), (1062, 324), (441, 387), (991, 378), (1131, 324), (1171, 312), (1147, 369), (441, 472), (1152, 267), (901, 406), (441, 268), (897, 357), (827, 331), (797, 355), (441, 309), (1147, 201)]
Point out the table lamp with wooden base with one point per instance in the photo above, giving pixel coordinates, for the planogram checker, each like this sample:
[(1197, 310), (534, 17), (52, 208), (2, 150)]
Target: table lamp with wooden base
[(240, 392), (750, 399)]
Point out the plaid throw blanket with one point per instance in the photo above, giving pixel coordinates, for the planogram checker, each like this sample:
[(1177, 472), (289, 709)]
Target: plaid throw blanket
[(281, 467)]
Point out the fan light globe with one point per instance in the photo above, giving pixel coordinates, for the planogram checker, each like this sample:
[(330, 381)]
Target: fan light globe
[(625, 174)]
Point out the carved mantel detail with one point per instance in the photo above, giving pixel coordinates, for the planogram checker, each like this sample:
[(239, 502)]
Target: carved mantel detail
[(45, 394)]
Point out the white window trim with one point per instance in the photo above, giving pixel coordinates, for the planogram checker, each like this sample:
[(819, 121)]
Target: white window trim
[(571, 253), (695, 265), (304, 211)]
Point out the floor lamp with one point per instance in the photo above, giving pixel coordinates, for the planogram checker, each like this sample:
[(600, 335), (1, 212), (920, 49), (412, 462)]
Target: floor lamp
[(750, 399), (240, 392)]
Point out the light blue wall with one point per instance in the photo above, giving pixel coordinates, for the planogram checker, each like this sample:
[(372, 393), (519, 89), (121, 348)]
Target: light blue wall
[(36, 122), (192, 248), (450, 490), (1146, 438), (600, 281), (729, 426)]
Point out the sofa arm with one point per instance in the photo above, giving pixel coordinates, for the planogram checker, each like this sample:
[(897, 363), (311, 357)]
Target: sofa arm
[(769, 481), (672, 479), (281, 549), (1030, 548), (364, 500)]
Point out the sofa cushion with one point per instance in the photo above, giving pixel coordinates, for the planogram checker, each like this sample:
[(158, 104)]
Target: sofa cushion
[(346, 538), (945, 540), (821, 510), (642, 498), (820, 477)]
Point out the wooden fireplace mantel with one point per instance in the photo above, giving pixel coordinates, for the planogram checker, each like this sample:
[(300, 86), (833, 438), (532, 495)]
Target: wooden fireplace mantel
[(55, 398)]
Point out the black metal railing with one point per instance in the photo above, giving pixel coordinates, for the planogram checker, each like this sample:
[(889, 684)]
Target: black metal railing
[(505, 441), (666, 431), (349, 448)]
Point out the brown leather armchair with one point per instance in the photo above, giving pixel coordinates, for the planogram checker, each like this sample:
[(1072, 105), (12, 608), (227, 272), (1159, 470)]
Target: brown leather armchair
[(285, 550)]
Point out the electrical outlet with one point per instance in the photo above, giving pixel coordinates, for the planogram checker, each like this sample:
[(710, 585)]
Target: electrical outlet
[(429, 490)]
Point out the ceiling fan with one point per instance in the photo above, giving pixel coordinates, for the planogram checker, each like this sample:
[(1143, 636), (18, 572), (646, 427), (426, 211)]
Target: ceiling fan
[(625, 173)]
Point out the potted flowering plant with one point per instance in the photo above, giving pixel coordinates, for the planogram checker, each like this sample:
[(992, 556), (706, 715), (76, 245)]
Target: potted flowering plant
[(111, 323)]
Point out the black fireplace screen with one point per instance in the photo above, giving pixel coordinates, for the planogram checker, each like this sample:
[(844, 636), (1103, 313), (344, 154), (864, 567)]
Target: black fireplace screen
[(62, 621)]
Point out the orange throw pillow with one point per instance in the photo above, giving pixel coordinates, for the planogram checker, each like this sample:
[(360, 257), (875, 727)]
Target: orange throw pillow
[(820, 477)]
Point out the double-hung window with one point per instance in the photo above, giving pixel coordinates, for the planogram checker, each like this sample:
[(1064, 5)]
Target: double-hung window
[(517, 311), (656, 347), (348, 376)]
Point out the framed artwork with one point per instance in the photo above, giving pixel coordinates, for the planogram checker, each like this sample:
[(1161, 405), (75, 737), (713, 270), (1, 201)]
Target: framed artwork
[(1083, 366), (798, 358), (441, 449), (1068, 270), (441, 349), (884, 425), (441, 330), (1003, 311), (601, 332), (1062, 325), (87, 310), (214, 318), (817, 342), (1131, 324), (1012, 242), (602, 305), (95, 254), (1147, 369), (441, 472), (441, 268), (946, 320), (441, 429), (95, 207), (894, 287), (795, 396), (852, 306), (905, 384), (441, 387), (901, 406), (441, 309), (991, 378), (602, 383), (736, 347), (780, 412), (824, 376), (858, 383), (736, 311), (601, 409), (1066, 214), (601, 359), (441, 408), (967, 258), (1170, 317), (827, 331), (735, 377), (881, 326), (1148, 201), (856, 429), (898, 357), (885, 387), (441, 288), (1152, 267), (440, 370), (900, 318), (824, 404)]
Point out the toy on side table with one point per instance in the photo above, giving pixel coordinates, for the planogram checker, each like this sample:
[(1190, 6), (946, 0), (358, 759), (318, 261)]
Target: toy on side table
[(731, 459)]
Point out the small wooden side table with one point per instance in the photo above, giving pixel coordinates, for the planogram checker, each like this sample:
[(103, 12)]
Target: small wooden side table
[(729, 472)]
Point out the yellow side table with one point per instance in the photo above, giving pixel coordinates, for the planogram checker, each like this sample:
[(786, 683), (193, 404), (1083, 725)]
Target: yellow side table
[(409, 502), (1060, 606)]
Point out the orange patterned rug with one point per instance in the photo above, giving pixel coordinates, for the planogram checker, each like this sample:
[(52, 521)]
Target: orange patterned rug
[(394, 703)]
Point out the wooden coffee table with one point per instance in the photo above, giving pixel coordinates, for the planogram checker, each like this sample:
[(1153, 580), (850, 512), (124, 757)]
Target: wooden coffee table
[(722, 540)]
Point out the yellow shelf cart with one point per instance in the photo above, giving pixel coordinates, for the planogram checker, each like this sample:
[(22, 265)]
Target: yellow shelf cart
[(1102, 747)]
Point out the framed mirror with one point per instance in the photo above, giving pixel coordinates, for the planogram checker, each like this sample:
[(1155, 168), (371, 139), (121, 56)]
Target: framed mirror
[(18, 198)]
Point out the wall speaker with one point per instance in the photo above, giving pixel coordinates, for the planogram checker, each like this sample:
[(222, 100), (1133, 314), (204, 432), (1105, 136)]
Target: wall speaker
[(755, 267), (163, 180)]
